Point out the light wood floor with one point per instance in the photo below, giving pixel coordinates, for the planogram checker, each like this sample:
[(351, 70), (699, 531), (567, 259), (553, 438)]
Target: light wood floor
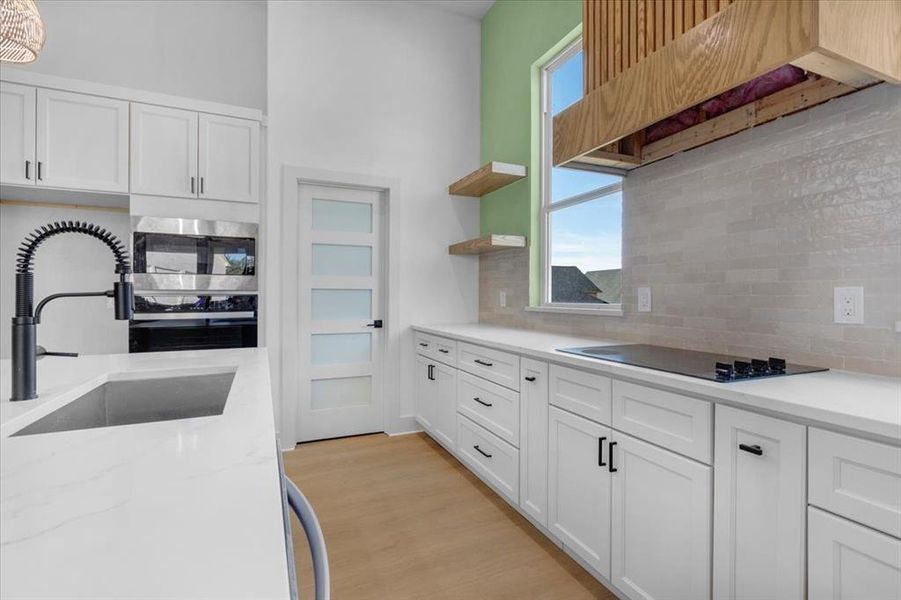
[(404, 520)]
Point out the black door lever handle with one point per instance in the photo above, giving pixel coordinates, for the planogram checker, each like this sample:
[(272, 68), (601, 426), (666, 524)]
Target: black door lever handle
[(377, 324)]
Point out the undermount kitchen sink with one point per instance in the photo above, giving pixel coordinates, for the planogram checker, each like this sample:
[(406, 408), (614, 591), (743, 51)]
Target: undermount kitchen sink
[(131, 401)]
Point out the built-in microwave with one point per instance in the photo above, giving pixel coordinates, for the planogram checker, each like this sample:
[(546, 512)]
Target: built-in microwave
[(194, 254)]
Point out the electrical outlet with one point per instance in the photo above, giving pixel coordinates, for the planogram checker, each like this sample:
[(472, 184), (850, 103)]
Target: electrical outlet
[(502, 299), (644, 299), (848, 305)]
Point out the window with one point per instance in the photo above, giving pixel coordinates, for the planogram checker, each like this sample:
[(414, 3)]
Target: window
[(581, 209)]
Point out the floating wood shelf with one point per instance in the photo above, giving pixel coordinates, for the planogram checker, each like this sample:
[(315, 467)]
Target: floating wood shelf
[(489, 243), (489, 178)]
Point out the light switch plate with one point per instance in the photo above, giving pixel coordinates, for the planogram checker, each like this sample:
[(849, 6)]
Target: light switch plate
[(848, 305), (644, 299)]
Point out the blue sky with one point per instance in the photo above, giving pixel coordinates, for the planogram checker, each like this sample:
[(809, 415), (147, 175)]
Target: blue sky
[(588, 235)]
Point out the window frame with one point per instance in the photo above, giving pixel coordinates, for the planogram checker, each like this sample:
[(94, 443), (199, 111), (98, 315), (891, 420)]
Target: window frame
[(548, 208)]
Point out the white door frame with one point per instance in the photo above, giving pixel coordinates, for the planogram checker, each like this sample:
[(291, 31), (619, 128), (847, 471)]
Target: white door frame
[(292, 179)]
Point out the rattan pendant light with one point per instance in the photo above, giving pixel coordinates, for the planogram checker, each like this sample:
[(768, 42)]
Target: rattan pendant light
[(21, 31)]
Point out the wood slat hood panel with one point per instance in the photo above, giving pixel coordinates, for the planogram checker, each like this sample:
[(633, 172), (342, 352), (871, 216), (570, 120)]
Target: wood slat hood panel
[(854, 42), (741, 42)]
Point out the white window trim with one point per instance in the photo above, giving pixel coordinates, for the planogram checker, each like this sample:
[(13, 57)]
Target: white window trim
[(547, 208)]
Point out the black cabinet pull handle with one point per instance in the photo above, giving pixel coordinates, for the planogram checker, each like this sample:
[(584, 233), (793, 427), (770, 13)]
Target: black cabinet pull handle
[(431, 372), (601, 462), (443, 351), (423, 344), (28, 169), (483, 403), (530, 379), (755, 449), (192, 184), (201, 185), (483, 363), (611, 468), (482, 452), (40, 176)]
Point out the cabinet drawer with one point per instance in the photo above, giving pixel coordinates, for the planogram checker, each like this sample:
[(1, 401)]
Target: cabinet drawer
[(493, 459), (676, 422), (493, 407), (856, 478), (493, 365), (586, 394), (436, 348)]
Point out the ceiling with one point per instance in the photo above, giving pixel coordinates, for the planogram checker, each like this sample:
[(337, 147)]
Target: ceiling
[(475, 9)]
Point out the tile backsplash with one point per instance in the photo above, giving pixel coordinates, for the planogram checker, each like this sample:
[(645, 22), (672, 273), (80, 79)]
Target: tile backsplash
[(742, 242)]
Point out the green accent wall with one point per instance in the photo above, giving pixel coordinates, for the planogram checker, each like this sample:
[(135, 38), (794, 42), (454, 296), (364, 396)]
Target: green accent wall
[(518, 36)]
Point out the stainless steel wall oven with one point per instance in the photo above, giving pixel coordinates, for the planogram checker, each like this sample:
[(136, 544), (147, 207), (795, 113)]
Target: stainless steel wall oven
[(167, 321)]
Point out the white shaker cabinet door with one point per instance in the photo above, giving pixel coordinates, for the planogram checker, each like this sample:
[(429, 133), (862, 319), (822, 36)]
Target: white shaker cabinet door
[(445, 393), (163, 151), (533, 433), (229, 158), (846, 561), (82, 142), (426, 401), (660, 536), (17, 124), (759, 507), (579, 487)]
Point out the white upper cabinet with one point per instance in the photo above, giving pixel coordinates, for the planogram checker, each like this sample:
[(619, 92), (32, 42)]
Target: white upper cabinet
[(660, 533), (17, 124), (185, 154), (163, 151), (82, 142), (759, 507), (229, 158)]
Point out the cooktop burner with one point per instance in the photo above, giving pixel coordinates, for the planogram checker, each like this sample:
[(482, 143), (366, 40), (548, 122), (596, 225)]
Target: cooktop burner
[(703, 365)]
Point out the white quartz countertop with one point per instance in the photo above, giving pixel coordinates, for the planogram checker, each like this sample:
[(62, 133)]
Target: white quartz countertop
[(857, 402), (188, 508)]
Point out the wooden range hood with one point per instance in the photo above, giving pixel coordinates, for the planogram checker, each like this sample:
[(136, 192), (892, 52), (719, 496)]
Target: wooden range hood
[(649, 60)]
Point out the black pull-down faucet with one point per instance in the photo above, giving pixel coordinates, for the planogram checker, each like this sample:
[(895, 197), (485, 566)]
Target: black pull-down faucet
[(24, 323)]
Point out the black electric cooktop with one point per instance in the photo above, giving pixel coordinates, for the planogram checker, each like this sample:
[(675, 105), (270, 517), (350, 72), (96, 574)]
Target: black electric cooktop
[(703, 365)]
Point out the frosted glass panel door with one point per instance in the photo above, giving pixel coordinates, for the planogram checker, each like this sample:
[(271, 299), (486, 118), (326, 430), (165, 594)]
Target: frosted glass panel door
[(340, 348)]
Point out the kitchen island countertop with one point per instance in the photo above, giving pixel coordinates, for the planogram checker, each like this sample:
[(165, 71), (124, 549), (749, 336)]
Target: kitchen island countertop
[(188, 508)]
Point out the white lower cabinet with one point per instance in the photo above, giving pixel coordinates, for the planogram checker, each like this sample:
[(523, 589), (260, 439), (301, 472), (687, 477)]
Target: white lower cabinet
[(533, 432), (579, 487), (759, 507), (426, 397), (847, 561), (445, 415), (660, 535)]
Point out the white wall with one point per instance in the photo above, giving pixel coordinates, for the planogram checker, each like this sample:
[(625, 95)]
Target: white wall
[(206, 49), (388, 90), (64, 263)]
